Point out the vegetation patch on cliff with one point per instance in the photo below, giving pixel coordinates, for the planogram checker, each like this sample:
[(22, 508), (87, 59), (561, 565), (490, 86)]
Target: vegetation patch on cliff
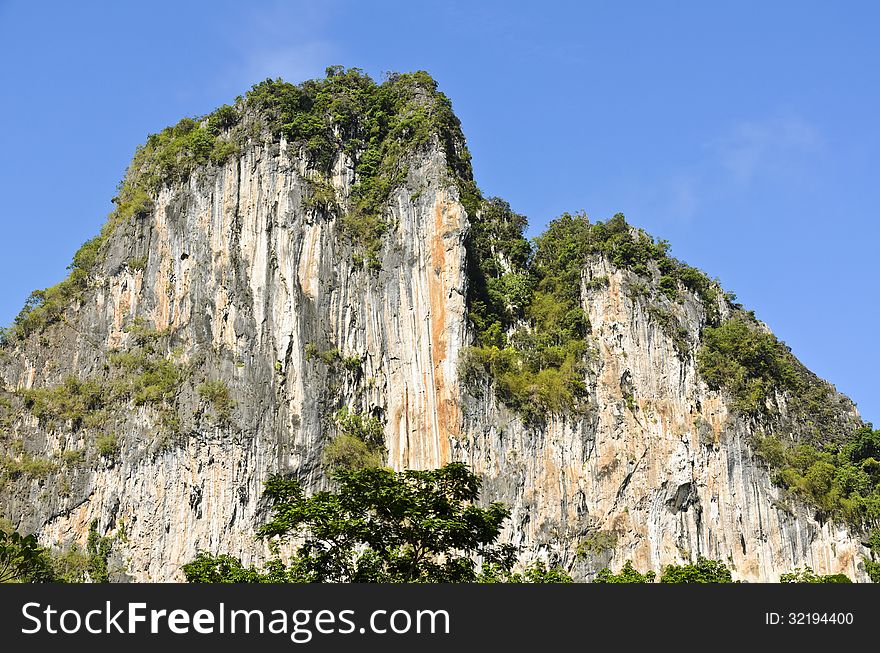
[(525, 307), (746, 361), (376, 125), (524, 302), (634, 250), (758, 371), (217, 394), (49, 305), (359, 442), (143, 374), (842, 481), (24, 464)]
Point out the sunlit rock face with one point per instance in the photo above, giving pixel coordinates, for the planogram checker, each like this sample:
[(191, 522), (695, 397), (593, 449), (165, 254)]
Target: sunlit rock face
[(250, 284), (662, 472)]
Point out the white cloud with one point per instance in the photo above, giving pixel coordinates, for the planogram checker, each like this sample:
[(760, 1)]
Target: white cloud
[(683, 198), (779, 148), (770, 147), (294, 62), (282, 39)]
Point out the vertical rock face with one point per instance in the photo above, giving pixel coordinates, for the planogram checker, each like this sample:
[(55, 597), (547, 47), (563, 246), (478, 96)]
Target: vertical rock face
[(262, 293), (661, 472), (242, 279)]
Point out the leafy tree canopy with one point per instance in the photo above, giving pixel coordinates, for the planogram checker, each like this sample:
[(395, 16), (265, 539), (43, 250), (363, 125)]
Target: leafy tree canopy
[(704, 571), (380, 526), (22, 560), (627, 575), (806, 575)]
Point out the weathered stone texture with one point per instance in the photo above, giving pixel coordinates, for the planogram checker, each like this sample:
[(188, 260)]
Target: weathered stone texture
[(246, 277)]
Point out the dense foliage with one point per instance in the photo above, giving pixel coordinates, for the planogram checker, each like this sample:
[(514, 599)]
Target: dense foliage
[(22, 559), (377, 125), (634, 250), (172, 155), (98, 548), (628, 574), (383, 526), (535, 573), (873, 568), (806, 575), (747, 362), (703, 571), (751, 364), (525, 305), (500, 280), (359, 442), (707, 571), (842, 481), (530, 326)]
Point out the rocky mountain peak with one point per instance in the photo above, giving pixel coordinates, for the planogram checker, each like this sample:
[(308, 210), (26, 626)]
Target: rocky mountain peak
[(310, 278)]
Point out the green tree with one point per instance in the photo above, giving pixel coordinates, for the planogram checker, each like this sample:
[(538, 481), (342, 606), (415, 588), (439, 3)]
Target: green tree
[(220, 569), (70, 565), (537, 572), (377, 526), (704, 571), (22, 560), (873, 569), (806, 575), (359, 442), (98, 549), (627, 575)]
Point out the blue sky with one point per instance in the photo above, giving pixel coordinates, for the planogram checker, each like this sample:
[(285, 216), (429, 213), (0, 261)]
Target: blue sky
[(746, 133)]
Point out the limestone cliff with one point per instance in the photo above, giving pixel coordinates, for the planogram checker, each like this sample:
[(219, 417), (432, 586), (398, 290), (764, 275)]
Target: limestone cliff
[(228, 317)]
